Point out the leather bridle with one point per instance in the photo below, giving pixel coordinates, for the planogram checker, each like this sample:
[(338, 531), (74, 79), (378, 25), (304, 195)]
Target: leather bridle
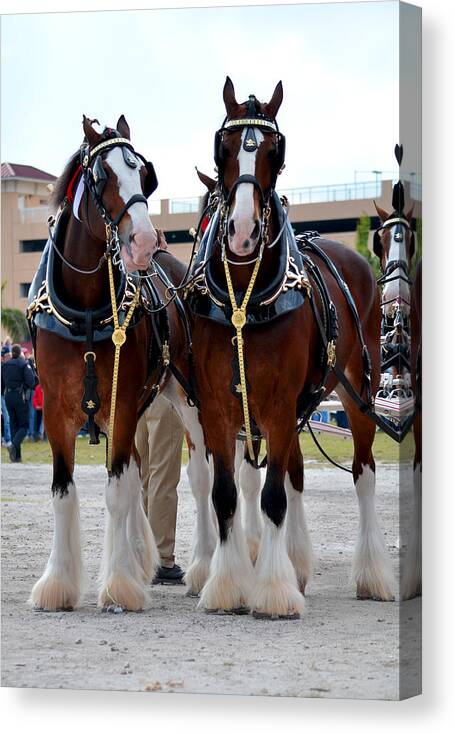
[(392, 265), (95, 178), (253, 120)]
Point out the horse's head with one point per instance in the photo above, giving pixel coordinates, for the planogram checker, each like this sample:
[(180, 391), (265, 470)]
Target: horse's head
[(393, 244), (249, 154), (119, 181)]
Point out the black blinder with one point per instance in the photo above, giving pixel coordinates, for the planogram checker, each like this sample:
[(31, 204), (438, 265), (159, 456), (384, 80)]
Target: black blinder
[(129, 157), (281, 153), (377, 245), (218, 150), (99, 176), (151, 181)]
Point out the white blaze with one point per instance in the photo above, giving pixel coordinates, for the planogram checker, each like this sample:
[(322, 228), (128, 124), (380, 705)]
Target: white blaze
[(129, 181), (397, 289), (243, 212)]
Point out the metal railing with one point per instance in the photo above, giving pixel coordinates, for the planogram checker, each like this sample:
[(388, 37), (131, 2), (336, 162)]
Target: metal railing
[(184, 206), (33, 215), (416, 191), (333, 192)]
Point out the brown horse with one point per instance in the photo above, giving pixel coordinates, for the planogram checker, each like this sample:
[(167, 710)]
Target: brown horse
[(395, 248), (102, 190), (283, 364)]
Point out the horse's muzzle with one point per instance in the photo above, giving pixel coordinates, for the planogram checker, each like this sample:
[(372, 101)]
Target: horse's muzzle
[(138, 253)]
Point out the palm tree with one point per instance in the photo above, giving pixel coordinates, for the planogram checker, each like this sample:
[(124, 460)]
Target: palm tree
[(14, 322)]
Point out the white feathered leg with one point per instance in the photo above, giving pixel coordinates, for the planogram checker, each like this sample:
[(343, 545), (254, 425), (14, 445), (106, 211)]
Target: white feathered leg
[(122, 576), (250, 483), (231, 572), (275, 591), (372, 568), (139, 532), (60, 585), (204, 538), (298, 540)]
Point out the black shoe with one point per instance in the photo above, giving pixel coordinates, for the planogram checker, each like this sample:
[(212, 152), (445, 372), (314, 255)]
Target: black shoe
[(170, 576), (12, 453)]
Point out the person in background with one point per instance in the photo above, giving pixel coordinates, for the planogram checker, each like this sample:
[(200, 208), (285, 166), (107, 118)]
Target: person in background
[(159, 440), (18, 381), (7, 344), (28, 356), (6, 436), (37, 402)]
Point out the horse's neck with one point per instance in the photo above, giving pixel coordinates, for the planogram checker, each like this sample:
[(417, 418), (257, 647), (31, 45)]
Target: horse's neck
[(83, 251)]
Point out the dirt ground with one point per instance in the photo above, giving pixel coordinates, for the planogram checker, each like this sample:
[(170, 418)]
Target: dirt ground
[(341, 648)]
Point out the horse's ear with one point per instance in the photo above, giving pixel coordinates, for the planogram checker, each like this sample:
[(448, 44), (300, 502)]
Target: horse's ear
[(383, 216), (208, 182), (229, 97), (123, 127), (408, 214), (90, 133), (275, 103)]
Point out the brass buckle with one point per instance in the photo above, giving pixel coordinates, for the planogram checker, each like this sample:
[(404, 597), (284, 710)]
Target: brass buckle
[(331, 353)]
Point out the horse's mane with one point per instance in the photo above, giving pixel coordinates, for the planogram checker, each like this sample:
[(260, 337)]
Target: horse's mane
[(61, 185)]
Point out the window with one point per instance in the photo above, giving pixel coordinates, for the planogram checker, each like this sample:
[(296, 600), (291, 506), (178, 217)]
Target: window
[(32, 245), (24, 289)]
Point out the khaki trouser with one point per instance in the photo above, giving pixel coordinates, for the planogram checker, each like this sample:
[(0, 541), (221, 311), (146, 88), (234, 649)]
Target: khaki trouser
[(159, 438)]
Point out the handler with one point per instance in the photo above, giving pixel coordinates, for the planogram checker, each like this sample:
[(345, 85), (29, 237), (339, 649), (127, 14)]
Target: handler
[(159, 439), (18, 381)]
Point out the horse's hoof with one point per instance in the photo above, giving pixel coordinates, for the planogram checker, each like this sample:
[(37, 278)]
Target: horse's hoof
[(274, 617), (236, 610), (113, 609), (192, 594), (241, 611), (65, 609), (365, 596)]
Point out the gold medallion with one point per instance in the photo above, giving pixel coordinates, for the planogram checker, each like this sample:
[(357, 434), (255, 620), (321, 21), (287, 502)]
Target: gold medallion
[(238, 318), (119, 337)]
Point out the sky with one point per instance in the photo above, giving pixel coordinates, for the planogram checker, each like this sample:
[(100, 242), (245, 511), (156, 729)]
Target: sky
[(165, 71)]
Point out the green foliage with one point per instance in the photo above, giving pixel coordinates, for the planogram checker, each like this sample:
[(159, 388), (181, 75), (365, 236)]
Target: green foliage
[(418, 252), (14, 322), (363, 231), (339, 449)]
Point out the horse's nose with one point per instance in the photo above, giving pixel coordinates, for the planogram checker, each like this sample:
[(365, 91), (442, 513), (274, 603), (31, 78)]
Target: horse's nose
[(142, 247), (244, 232), (256, 230)]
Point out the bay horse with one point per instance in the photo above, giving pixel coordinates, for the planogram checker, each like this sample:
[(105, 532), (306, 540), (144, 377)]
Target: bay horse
[(394, 245), (102, 214), (282, 346)]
